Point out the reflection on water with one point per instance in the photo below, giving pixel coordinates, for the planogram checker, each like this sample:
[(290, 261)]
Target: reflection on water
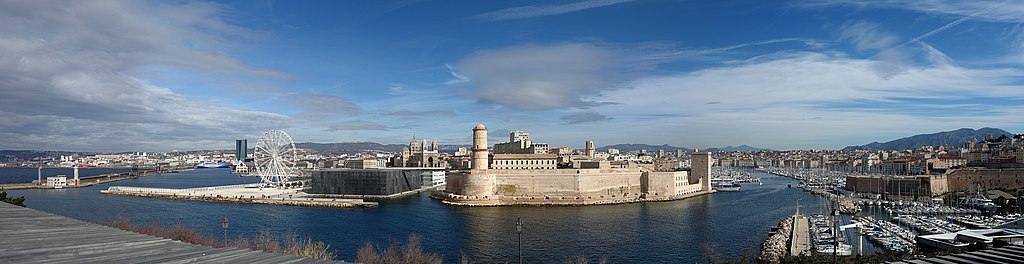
[(662, 232)]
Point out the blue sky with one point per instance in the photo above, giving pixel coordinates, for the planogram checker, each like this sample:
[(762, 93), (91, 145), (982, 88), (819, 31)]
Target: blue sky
[(160, 76)]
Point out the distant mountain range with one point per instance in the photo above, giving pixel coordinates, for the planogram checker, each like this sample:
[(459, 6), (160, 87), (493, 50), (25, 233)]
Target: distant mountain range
[(670, 148), (356, 147), (28, 155), (946, 138), (736, 148)]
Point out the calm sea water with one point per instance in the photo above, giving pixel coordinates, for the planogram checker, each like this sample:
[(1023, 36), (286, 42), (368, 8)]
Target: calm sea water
[(736, 223), (27, 175)]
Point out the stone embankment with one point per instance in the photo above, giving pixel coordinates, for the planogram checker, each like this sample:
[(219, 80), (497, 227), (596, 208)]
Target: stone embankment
[(846, 204), (298, 201), (777, 245), (552, 200), (244, 193)]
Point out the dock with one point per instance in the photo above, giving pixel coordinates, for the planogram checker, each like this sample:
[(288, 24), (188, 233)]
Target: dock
[(800, 240), (92, 180), (242, 193), (31, 236)]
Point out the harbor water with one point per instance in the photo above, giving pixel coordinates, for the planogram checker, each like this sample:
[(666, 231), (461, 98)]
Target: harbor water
[(733, 223)]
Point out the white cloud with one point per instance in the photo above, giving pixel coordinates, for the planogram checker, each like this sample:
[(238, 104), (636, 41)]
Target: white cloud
[(522, 12), (809, 99), (70, 72), (535, 77)]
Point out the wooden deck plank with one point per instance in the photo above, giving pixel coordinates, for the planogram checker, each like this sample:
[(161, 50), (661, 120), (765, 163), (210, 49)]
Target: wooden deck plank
[(32, 236)]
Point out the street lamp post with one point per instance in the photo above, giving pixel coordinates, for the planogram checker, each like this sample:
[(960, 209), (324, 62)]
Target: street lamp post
[(519, 229), (835, 234), (224, 223)]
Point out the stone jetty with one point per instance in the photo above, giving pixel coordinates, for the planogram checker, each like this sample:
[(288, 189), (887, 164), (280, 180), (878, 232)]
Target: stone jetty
[(777, 246)]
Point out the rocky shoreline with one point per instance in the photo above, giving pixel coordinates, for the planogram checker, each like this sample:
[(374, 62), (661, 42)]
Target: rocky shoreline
[(776, 246), (298, 201)]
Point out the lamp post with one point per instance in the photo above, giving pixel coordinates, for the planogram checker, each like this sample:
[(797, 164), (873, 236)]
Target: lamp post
[(519, 229), (835, 234), (224, 223)]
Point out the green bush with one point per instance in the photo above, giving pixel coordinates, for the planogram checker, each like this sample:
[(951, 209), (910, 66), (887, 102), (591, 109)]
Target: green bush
[(19, 201)]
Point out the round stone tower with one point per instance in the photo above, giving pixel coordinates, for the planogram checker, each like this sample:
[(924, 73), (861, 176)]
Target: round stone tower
[(480, 160)]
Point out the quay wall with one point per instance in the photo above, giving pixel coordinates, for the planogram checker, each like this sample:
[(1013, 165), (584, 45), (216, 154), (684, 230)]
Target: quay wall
[(565, 187), (959, 180), (307, 202), (972, 180)]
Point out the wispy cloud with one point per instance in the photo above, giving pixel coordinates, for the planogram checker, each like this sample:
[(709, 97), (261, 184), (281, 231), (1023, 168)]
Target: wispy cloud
[(538, 77), (354, 125), (325, 103), (522, 12), (670, 52), (802, 99), (986, 10), (431, 113), (458, 78), (584, 117)]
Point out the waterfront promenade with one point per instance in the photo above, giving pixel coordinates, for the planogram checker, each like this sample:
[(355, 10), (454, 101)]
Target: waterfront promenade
[(242, 193), (800, 240), (31, 236)]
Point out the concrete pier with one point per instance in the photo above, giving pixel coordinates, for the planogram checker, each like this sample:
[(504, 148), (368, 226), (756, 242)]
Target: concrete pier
[(800, 240), (93, 180), (245, 193)]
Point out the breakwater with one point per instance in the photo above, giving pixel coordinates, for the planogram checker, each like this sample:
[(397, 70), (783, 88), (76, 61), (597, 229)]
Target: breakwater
[(777, 246), (93, 180), (243, 193)]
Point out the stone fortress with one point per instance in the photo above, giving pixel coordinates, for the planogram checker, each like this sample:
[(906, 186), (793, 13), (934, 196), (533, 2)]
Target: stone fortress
[(518, 173)]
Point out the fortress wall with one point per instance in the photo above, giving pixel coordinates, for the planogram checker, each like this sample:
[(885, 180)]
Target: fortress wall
[(970, 180)]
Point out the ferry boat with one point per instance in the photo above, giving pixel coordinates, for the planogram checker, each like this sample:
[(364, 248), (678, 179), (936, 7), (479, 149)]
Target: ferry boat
[(208, 165), (726, 187)]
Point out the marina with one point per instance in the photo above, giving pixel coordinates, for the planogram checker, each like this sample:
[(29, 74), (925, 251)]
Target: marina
[(890, 222)]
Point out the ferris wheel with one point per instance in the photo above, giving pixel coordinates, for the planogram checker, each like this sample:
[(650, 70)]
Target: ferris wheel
[(275, 157)]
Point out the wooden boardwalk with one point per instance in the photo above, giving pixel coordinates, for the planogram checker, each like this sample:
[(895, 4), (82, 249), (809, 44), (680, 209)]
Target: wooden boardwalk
[(31, 236)]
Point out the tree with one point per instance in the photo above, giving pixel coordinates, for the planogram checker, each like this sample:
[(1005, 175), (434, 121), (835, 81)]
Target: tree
[(19, 201)]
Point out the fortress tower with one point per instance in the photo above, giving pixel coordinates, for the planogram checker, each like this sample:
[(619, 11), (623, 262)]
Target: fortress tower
[(480, 160), (701, 168), (590, 149)]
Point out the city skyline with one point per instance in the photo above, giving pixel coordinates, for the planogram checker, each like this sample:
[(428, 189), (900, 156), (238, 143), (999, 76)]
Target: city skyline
[(160, 76)]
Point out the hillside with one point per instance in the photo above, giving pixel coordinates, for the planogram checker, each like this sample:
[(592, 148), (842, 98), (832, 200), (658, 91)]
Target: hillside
[(945, 138)]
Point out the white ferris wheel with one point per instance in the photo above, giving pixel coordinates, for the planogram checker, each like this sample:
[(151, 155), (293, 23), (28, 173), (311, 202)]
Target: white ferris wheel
[(275, 157)]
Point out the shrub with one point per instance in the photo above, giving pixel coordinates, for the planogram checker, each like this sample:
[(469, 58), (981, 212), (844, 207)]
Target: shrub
[(19, 201), (410, 253), (263, 241)]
